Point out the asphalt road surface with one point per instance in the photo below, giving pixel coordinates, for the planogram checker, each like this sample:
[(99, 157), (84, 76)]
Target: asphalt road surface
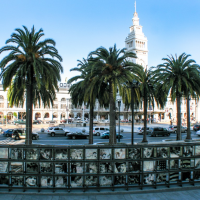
[(63, 140)]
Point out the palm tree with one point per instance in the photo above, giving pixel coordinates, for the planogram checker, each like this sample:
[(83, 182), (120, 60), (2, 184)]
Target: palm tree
[(178, 77), (191, 90), (78, 91), (85, 92), (113, 68), (31, 66), (147, 91)]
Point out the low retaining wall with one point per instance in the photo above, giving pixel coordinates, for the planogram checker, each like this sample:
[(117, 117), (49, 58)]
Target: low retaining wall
[(97, 167)]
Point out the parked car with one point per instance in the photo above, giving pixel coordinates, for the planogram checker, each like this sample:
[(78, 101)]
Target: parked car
[(173, 129), (64, 121), (51, 122), (1, 131), (78, 135), (98, 130), (106, 135), (198, 132), (95, 121), (196, 127), (57, 131), (19, 121), (37, 121), (18, 135), (157, 131), (9, 132), (141, 131)]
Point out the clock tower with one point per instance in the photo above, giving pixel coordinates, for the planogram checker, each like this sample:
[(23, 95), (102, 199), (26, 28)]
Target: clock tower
[(136, 42)]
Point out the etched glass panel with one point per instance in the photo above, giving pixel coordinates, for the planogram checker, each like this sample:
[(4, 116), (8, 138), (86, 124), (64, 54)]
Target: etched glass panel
[(148, 152), (91, 154), (76, 167), (91, 168), (76, 154), (32, 154), (105, 168), (60, 168), (46, 181), (105, 154), (17, 181), (3, 167), (148, 179), (134, 166), (134, 153), (16, 167), (61, 154), (105, 180), (46, 167), (45, 154), (31, 181), (3, 152), (16, 153), (120, 153), (91, 180), (60, 181), (76, 181), (119, 180), (120, 167), (32, 167)]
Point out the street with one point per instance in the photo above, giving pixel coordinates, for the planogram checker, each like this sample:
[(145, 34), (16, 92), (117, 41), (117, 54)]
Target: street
[(46, 139)]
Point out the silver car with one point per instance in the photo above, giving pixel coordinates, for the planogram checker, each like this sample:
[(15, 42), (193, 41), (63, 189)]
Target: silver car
[(173, 129), (99, 130), (57, 131)]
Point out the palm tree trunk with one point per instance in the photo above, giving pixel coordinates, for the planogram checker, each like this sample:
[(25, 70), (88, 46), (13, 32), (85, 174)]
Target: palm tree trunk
[(29, 108), (188, 138), (178, 104), (112, 136), (145, 119), (91, 124)]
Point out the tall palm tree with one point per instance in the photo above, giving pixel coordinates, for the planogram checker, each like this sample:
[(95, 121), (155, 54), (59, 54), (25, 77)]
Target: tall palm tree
[(85, 92), (191, 90), (147, 92), (31, 64), (175, 77), (113, 68)]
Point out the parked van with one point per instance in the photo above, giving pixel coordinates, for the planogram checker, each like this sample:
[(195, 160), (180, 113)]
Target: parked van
[(99, 130)]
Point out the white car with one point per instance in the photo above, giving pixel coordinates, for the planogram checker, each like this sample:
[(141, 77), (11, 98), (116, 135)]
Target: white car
[(57, 131), (99, 130), (198, 133)]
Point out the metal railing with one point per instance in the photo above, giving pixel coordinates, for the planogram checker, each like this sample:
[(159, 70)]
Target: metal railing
[(98, 167)]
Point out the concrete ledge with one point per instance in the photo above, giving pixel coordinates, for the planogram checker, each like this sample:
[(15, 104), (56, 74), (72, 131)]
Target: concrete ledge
[(89, 192)]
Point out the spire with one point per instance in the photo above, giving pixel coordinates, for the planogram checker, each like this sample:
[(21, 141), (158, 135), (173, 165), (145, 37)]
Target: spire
[(135, 6), (135, 17)]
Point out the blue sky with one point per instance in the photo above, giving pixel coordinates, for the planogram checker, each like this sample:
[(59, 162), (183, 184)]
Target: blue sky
[(81, 26)]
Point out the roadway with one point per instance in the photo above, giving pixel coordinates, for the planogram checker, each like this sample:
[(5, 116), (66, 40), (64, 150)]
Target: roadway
[(62, 140)]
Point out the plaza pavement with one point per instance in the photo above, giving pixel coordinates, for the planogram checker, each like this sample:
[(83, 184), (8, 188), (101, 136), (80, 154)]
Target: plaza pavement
[(174, 193)]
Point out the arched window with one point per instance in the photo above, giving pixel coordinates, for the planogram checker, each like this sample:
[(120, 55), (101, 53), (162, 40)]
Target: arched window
[(46, 115), (37, 115), (1, 98), (55, 115), (62, 116), (9, 115), (1, 115), (63, 99)]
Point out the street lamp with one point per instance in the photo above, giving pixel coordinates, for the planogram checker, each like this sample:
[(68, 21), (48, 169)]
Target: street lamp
[(119, 104), (67, 110), (134, 84)]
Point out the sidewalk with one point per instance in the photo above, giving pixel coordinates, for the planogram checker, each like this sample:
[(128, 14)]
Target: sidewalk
[(169, 194)]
